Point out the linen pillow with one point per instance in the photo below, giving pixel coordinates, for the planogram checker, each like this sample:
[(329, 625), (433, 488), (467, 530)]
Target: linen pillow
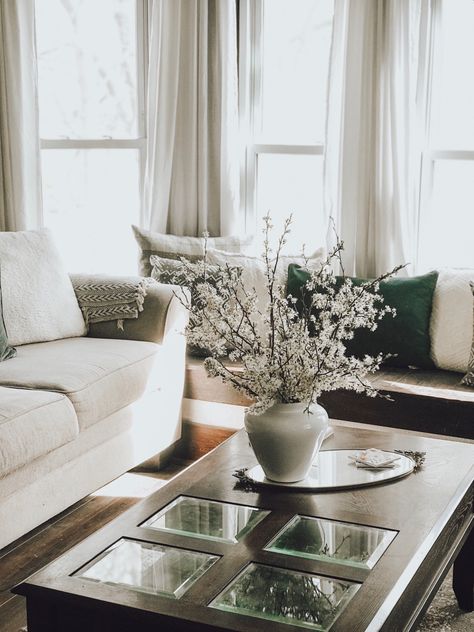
[(468, 379), (407, 334), (173, 246), (39, 303), (452, 320), (6, 351)]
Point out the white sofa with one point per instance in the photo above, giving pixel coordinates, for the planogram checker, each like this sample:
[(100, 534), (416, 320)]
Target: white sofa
[(76, 413)]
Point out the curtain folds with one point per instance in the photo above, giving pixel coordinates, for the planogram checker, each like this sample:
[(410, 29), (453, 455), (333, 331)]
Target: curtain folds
[(20, 182), (376, 110), (191, 175)]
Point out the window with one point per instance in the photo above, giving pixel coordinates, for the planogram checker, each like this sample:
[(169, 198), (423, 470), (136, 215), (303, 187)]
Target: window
[(447, 209), (91, 107), (284, 57)]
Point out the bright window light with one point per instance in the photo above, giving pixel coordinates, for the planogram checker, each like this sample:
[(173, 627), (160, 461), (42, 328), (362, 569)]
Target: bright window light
[(452, 122), (90, 198), (91, 107), (292, 184), (286, 48), (447, 213), (296, 42), (87, 52)]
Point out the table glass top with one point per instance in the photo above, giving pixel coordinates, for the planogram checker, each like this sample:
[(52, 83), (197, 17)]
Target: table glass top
[(335, 469), (147, 567), (278, 594), (208, 519), (332, 541)]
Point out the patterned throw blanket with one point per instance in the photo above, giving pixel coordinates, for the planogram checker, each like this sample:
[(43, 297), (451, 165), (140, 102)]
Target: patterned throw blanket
[(103, 297)]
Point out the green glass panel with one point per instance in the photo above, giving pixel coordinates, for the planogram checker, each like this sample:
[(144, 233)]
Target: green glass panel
[(329, 540), (278, 594), (206, 519), (147, 567)]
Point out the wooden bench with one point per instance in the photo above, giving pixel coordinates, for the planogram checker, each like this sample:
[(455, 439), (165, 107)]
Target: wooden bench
[(425, 401)]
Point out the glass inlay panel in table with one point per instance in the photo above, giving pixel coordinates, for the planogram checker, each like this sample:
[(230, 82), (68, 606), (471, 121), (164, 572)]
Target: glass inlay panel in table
[(147, 567), (278, 594), (332, 541), (208, 519)]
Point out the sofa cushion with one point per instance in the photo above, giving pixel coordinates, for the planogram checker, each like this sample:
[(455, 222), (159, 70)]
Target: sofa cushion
[(32, 424), (98, 375), (175, 246), (39, 303), (406, 337), (452, 320)]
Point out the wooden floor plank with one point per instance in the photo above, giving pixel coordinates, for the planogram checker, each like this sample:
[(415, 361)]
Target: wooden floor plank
[(44, 544), (13, 614)]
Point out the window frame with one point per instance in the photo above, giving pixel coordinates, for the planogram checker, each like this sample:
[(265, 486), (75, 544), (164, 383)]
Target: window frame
[(140, 142), (251, 16), (430, 152)]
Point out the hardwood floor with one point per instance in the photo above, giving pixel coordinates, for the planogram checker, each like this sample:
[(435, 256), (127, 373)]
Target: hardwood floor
[(41, 546)]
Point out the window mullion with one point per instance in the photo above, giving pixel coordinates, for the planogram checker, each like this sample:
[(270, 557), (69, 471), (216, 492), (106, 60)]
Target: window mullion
[(250, 80), (99, 143), (274, 148)]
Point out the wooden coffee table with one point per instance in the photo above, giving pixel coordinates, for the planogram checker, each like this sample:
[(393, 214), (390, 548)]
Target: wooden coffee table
[(213, 556)]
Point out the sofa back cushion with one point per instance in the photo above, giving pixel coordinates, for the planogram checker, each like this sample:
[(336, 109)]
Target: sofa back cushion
[(407, 335), (39, 303)]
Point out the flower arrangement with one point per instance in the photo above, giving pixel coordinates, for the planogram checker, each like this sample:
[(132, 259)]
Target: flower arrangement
[(294, 349)]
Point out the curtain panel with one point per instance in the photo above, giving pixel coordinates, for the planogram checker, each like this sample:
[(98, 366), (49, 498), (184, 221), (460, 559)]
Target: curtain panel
[(20, 182), (375, 131), (192, 173)]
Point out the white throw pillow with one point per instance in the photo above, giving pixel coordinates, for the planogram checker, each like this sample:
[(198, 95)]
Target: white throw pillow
[(254, 271), (39, 303), (451, 323), (175, 246)]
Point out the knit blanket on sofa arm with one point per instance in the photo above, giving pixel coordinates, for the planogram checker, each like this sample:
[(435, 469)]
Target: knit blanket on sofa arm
[(102, 297)]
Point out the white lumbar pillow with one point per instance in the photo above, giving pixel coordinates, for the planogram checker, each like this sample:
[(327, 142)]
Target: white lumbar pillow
[(39, 303), (451, 324)]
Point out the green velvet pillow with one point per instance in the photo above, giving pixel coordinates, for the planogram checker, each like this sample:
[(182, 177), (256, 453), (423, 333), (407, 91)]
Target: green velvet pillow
[(6, 351), (407, 335)]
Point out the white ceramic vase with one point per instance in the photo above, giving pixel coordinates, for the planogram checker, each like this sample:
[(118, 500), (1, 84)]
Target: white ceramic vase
[(286, 439)]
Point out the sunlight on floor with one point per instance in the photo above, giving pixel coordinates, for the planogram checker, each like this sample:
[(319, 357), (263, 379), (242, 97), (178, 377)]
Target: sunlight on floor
[(131, 486)]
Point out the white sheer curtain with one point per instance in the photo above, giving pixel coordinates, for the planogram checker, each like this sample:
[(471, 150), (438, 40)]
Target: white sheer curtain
[(376, 108), (20, 182), (191, 175)]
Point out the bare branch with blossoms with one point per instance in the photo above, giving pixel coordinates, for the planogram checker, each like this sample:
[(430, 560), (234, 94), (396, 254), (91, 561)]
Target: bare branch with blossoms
[(297, 348)]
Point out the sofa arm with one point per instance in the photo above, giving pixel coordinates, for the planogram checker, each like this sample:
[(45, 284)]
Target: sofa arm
[(163, 315)]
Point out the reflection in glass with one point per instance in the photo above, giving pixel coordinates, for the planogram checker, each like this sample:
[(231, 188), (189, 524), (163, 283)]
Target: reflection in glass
[(206, 519), (329, 540), (332, 469), (147, 567), (278, 594)]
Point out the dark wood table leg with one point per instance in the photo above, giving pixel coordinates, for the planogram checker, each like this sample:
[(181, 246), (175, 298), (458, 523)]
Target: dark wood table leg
[(463, 575)]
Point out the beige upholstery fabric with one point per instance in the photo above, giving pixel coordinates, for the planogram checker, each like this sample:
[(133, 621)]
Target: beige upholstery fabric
[(150, 324), (32, 424), (99, 376)]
